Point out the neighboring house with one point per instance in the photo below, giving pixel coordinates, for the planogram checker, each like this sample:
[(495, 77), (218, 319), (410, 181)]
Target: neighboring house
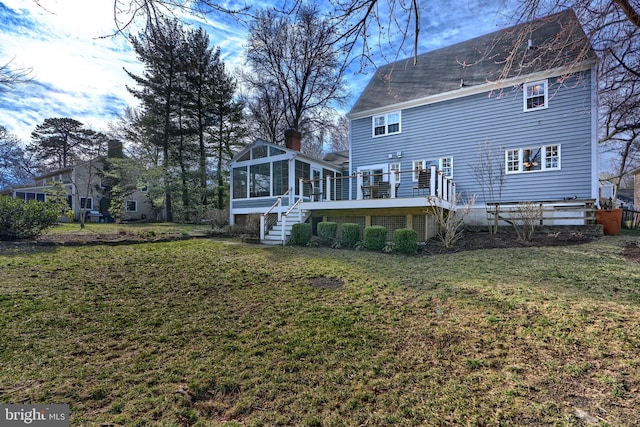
[(452, 112), (85, 189)]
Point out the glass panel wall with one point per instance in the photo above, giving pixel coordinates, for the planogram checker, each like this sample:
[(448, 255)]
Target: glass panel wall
[(259, 180), (239, 183), (280, 177)]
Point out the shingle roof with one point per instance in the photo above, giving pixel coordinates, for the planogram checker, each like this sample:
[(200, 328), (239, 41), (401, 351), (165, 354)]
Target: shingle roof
[(557, 40)]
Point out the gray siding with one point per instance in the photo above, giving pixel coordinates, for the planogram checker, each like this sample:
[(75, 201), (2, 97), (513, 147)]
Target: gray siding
[(459, 127)]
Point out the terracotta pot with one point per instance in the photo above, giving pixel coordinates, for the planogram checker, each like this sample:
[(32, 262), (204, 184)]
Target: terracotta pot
[(611, 220)]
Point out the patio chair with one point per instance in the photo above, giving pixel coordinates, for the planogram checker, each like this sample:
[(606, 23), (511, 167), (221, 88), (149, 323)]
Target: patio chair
[(366, 191), (315, 195), (382, 190), (424, 178)]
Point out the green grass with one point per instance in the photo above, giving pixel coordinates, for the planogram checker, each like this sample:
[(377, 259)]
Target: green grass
[(205, 332), (142, 228)]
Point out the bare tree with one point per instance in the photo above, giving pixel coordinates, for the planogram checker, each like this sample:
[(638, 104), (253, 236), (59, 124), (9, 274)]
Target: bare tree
[(12, 76), (339, 134), (296, 65), (153, 12), (16, 165), (489, 173)]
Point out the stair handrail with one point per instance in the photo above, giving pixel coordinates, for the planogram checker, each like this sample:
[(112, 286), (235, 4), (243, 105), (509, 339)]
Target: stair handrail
[(284, 219), (265, 223)]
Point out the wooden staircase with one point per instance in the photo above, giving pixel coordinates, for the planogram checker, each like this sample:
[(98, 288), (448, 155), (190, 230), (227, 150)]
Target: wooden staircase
[(280, 233)]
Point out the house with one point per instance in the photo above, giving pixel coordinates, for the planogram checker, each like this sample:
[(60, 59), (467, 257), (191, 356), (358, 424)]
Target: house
[(455, 122), (86, 187)]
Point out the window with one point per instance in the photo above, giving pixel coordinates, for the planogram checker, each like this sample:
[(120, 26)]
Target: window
[(260, 180), (443, 164), (30, 196), (259, 152), (240, 183), (533, 159), (302, 171), (446, 166), (395, 167), (386, 124), (273, 151), (280, 177), (535, 95), (86, 203), (373, 174), (132, 206)]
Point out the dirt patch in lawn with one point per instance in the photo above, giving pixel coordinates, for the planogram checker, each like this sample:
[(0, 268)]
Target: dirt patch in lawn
[(324, 282), (631, 251)]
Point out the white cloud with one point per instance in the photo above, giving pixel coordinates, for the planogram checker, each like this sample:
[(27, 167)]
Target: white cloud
[(78, 68)]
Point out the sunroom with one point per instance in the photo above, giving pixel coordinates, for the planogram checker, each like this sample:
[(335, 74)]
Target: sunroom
[(265, 175)]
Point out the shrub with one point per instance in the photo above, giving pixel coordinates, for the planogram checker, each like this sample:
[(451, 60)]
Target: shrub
[(375, 237), (301, 234), (218, 218), (327, 232), (20, 220), (406, 240), (350, 234), (451, 222)]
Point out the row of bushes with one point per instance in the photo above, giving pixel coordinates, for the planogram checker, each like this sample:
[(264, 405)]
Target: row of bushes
[(405, 240)]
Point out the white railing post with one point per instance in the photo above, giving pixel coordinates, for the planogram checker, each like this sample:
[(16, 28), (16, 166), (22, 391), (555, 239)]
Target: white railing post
[(432, 181), (327, 189), (301, 188), (262, 227), (284, 228), (279, 205), (360, 196), (392, 185)]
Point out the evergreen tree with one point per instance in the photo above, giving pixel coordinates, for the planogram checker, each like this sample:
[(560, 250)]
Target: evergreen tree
[(160, 49), (60, 142)]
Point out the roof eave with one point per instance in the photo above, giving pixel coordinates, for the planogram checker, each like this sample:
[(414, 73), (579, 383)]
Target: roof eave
[(473, 90)]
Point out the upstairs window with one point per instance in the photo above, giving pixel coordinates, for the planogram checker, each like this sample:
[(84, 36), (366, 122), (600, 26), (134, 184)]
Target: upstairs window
[(535, 159), (535, 95), (386, 124)]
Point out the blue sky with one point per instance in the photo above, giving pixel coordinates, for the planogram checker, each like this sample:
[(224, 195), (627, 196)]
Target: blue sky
[(79, 74)]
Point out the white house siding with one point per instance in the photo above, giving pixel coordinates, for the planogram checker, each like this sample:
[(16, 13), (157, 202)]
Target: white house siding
[(459, 127)]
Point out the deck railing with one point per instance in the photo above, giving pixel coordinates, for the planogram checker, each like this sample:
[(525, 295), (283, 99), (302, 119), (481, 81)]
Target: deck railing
[(368, 186)]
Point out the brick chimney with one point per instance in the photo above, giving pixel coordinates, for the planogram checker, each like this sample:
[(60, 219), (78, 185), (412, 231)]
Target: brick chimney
[(292, 139)]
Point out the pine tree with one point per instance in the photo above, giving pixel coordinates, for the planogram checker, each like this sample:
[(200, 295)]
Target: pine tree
[(159, 87), (60, 142)]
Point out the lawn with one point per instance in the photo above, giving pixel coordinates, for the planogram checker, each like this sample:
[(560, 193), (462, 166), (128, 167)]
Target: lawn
[(210, 332)]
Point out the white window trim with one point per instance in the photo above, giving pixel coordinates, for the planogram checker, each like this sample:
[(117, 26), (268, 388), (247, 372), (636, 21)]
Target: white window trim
[(397, 166), (126, 206), (543, 163), (423, 164), (386, 124), (546, 95)]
